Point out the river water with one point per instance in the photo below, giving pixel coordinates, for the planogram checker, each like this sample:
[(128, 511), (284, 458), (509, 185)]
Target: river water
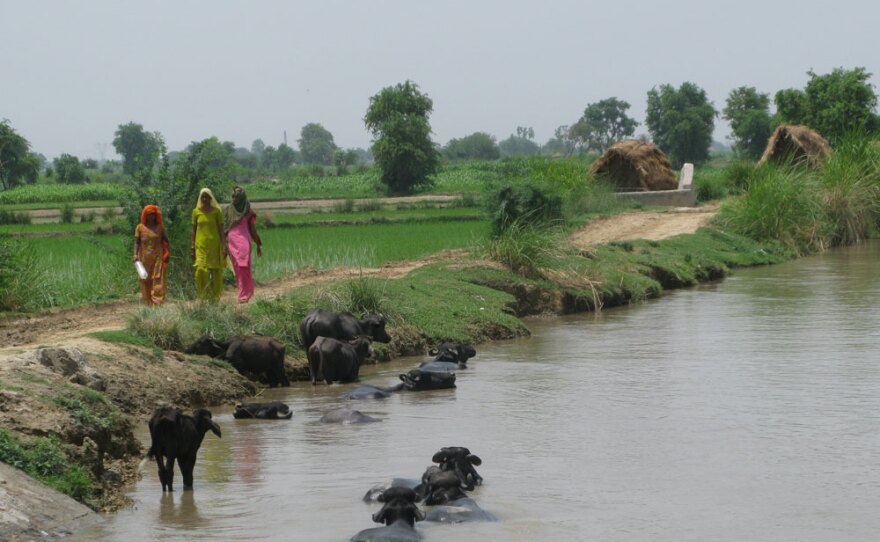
[(743, 410)]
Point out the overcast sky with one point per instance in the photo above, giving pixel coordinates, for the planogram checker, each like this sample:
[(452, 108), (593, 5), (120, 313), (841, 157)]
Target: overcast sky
[(72, 71)]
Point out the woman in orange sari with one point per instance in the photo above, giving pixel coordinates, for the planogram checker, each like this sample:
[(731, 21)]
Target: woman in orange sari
[(151, 249)]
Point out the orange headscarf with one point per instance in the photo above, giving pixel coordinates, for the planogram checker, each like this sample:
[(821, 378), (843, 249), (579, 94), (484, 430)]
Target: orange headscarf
[(153, 209)]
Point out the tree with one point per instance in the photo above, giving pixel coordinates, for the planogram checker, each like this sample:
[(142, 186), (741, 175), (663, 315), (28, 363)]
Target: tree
[(316, 144), (602, 124), (398, 119), (284, 157), (138, 148), (748, 112), (477, 146), (560, 143), (525, 132), (18, 165), (834, 104), (517, 145), (69, 170), (681, 122), (257, 147)]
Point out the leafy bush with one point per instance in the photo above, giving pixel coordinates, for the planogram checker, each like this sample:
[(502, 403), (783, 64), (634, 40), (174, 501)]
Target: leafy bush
[(522, 205), (67, 214)]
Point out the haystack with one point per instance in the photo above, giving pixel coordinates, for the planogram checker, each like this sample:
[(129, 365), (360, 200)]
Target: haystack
[(793, 143), (633, 165)]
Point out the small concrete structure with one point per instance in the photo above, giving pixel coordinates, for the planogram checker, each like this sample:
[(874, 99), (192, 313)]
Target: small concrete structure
[(683, 196)]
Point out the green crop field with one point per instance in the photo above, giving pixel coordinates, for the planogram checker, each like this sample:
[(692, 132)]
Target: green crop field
[(287, 250), (82, 269), (61, 193)]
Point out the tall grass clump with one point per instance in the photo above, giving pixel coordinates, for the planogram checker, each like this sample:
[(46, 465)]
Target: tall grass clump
[(737, 175), (20, 274), (851, 180), (522, 205), (14, 217), (523, 247), (360, 296), (592, 197), (710, 184), (784, 204)]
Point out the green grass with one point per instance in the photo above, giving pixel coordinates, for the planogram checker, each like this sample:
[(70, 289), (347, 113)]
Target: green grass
[(93, 204), (287, 250), (376, 216), (61, 193), (51, 227), (45, 459)]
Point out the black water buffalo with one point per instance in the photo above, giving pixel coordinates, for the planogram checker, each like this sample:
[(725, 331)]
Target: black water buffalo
[(399, 513), (176, 436), (341, 325), (440, 487), (367, 392), (274, 410), (461, 461), (459, 511), (248, 354), (400, 531), (347, 416), (422, 379), (457, 353), (336, 360), (373, 494)]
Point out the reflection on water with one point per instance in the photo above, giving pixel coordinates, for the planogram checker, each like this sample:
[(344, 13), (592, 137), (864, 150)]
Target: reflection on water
[(743, 410)]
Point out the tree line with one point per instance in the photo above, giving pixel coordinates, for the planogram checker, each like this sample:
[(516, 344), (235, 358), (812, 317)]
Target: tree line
[(678, 120)]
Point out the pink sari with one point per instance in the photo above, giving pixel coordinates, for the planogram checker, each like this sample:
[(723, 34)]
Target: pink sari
[(239, 239)]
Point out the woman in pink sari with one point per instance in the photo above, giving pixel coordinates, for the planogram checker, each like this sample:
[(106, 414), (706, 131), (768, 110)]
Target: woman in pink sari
[(240, 224)]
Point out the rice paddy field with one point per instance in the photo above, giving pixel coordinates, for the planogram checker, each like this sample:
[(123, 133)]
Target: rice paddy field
[(81, 269)]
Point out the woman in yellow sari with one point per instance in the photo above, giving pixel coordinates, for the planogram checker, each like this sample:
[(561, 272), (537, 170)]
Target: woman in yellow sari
[(208, 246), (151, 249)]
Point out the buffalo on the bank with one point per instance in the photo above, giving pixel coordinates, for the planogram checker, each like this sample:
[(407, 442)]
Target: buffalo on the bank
[(334, 360), (274, 410), (341, 325), (248, 354), (421, 379), (176, 436)]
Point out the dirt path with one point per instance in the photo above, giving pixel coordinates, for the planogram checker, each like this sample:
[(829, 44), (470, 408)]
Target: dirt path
[(644, 225), (57, 325)]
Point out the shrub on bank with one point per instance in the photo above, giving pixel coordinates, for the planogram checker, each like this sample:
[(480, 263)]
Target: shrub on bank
[(811, 209)]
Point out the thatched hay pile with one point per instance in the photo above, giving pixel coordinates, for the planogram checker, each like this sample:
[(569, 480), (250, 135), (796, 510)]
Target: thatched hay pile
[(634, 165), (793, 143)]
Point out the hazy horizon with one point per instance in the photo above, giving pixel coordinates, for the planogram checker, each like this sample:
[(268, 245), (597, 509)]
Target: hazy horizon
[(241, 71)]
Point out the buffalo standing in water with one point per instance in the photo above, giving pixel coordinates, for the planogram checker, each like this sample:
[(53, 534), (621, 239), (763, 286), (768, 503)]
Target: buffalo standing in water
[(176, 436)]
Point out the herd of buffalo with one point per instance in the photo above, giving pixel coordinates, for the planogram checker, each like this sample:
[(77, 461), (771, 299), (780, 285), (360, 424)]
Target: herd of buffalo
[(336, 345)]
